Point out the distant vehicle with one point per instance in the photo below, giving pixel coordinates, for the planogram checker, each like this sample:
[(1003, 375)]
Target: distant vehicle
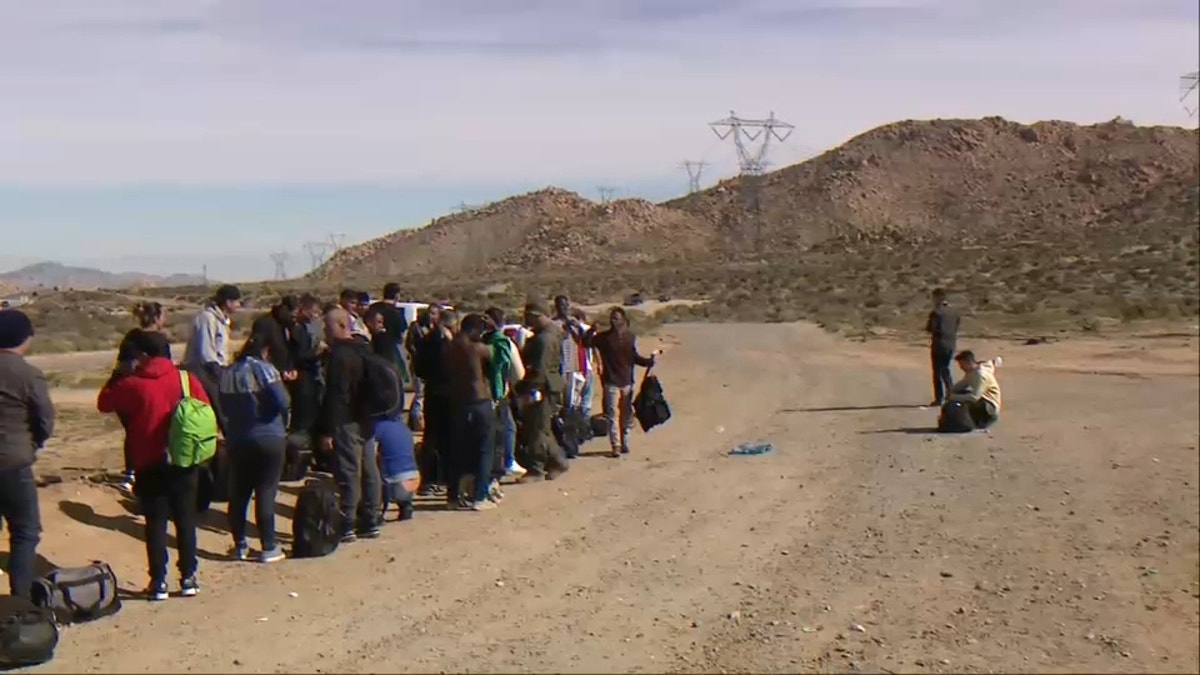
[(664, 298), (634, 300)]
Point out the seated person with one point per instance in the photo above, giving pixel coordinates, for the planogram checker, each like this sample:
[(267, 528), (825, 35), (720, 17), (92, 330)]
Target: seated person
[(397, 465), (978, 388)]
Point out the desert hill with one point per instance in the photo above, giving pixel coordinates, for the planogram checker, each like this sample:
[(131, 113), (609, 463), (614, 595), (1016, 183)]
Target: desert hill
[(909, 181), (45, 275)]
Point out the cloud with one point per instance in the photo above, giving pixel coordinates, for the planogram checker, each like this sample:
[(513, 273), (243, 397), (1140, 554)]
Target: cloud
[(495, 91)]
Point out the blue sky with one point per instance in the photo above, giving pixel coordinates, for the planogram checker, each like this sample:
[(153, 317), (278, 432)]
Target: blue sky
[(164, 136)]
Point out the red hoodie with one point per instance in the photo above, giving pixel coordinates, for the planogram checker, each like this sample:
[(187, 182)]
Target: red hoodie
[(146, 399)]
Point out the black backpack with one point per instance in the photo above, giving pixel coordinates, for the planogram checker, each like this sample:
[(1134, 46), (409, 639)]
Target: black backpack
[(599, 424), (571, 429), (955, 418), (383, 392), (28, 634), (317, 523), (650, 405), (428, 353), (78, 594)]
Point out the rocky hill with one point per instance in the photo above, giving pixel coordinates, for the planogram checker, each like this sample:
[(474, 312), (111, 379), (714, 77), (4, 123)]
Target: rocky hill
[(915, 180), (911, 181), (46, 275)]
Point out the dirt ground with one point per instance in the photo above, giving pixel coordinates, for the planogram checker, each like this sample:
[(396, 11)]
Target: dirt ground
[(1066, 539)]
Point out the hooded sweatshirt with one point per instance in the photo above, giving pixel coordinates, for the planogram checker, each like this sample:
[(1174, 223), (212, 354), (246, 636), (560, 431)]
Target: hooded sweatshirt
[(145, 400)]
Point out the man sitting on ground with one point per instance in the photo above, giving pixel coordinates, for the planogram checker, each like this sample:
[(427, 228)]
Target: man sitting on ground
[(978, 388)]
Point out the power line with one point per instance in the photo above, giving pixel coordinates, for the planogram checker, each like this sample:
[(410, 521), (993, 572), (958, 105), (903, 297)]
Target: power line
[(606, 193), (280, 259), (694, 168), (1188, 85), (752, 138)]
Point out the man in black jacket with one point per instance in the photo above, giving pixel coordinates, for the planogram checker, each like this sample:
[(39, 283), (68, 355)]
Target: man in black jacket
[(388, 339), (345, 427), (942, 326), (26, 423), (274, 330), (304, 353)]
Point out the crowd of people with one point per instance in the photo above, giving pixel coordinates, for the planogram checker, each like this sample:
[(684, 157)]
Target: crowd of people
[(304, 385), (310, 382)]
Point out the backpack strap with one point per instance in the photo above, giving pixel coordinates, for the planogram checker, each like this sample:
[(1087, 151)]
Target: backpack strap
[(185, 384)]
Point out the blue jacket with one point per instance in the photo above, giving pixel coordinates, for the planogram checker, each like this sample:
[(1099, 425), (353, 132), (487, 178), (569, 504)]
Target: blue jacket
[(253, 400), (396, 456)]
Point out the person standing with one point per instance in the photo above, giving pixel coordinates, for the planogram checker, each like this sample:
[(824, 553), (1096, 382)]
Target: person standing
[(26, 423), (165, 493), (150, 320), (468, 479), (588, 359), (256, 405), (430, 366), (274, 330), (506, 422), (305, 352), (572, 357), (942, 326), (413, 337), (540, 395), (345, 427), (617, 346), (351, 301), (391, 340), (208, 349)]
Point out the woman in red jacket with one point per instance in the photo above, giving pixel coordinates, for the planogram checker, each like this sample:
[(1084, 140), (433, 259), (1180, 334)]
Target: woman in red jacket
[(146, 400)]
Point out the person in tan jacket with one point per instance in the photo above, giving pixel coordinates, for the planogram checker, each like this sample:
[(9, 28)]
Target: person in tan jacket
[(978, 388)]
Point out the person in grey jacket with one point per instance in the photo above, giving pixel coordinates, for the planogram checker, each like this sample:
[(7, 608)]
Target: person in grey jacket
[(209, 347), (26, 423)]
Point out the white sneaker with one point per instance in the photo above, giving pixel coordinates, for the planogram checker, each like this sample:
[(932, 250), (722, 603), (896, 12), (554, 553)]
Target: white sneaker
[(516, 470), (483, 506)]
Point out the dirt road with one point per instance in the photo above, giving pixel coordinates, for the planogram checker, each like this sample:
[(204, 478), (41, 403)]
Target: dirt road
[(1065, 539)]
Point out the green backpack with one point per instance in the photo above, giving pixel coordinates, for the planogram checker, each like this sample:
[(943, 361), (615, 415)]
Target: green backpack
[(192, 437)]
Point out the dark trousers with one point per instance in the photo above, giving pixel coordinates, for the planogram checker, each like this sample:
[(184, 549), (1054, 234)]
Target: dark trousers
[(472, 449), (356, 472), (257, 464), (19, 508), (439, 425), (305, 392), (168, 494), (941, 357)]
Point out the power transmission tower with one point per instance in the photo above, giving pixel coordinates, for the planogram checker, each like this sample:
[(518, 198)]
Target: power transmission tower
[(317, 250), (464, 207), (752, 139), (694, 169), (337, 240), (606, 193), (280, 259), (1188, 86)]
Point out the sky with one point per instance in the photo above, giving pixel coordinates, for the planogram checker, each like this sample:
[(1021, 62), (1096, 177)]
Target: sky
[(168, 136)]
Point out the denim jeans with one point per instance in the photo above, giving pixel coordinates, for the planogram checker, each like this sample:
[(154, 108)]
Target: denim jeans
[(618, 410), (472, 449), (19, 507), (508, 433), (257, 466), (356, 472)]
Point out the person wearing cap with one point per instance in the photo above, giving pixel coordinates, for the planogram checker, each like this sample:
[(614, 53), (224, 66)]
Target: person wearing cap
[(978, 388), (208, 348), (26, 423), (540, 394)]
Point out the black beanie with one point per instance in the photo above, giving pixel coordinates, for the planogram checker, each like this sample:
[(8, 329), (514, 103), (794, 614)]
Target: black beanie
[(15, 328)]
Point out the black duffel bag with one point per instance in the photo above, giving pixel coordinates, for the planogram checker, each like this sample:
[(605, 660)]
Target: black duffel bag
[(28, 634), (78, 594)]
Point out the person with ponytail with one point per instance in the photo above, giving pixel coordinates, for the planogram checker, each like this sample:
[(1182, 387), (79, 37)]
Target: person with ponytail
[(149, 332)]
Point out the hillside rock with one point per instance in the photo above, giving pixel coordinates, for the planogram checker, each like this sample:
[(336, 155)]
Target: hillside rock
[(910, 181)]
